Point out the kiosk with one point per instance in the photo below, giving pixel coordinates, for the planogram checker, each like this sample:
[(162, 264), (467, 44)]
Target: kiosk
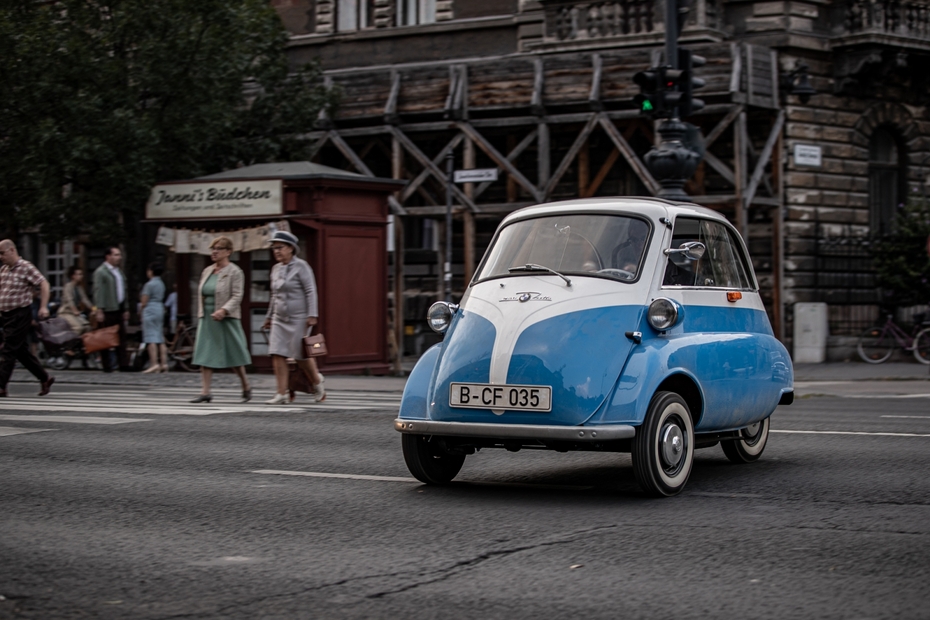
[(341, 220)]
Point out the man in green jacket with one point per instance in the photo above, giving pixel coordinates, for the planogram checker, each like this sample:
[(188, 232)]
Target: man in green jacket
[(112, 308)]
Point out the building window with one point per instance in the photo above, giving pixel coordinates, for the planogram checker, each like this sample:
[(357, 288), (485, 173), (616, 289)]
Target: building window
[(355, 15), (886, 179), (57, 257), (413, 12)]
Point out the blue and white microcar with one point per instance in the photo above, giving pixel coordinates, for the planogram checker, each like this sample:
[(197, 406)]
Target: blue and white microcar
[(612, 324)]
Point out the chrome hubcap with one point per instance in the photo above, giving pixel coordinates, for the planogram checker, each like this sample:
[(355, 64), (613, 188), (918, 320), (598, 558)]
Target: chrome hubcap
[(752, 434), (671, 445)]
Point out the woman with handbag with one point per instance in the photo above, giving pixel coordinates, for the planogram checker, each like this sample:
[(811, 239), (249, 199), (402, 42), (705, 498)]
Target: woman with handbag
[(220, 340), (292, 313), (151, 300)]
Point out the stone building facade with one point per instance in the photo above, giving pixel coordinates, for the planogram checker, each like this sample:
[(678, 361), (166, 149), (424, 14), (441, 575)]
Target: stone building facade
[(542, 90)]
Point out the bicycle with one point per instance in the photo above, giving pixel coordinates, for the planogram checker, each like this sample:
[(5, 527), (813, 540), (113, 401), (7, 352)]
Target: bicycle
[(877, 344), (181, 346)]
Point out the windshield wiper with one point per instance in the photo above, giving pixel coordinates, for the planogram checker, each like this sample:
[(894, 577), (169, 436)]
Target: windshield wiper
[(535, 267)]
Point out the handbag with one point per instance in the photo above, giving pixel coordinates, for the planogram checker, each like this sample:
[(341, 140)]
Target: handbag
[(314, 346), (101, 339)]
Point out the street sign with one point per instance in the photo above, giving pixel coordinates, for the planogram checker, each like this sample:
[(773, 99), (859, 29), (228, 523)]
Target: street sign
[(476, 175), (807, 155)]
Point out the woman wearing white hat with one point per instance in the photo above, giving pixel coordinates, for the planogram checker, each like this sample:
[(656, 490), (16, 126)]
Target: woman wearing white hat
[(291, 313)]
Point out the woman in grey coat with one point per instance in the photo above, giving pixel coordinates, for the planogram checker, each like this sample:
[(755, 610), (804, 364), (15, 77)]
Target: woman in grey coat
[(292, 312)]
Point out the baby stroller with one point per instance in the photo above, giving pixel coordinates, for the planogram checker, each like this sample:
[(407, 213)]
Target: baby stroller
[(61, 344)]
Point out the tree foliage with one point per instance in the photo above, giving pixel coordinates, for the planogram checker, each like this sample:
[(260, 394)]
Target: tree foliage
[(900, 258), (101, 99)]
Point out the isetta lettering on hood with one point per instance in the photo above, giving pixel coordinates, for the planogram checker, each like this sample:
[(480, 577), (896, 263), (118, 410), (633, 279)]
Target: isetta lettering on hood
[(614, 324)]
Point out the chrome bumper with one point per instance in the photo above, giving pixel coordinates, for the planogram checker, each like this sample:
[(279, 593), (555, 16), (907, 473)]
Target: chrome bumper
[(516, 431)]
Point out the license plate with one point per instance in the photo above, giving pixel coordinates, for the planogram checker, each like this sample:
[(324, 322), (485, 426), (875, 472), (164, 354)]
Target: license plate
[(511, 397)]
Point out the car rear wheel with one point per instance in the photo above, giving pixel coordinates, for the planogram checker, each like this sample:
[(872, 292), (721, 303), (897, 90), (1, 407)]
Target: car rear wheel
[(663, 449), (748, 448), (428, 461)]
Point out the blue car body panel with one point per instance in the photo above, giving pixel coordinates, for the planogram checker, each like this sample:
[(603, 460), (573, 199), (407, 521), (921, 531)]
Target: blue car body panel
[(414, 404), (740, 375)]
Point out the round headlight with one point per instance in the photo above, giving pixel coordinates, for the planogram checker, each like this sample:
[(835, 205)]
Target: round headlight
[(663, 313), (439, 316)]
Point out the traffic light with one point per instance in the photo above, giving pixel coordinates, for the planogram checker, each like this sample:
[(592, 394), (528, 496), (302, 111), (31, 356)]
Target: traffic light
[(672, 81), (650, 99), (687, 62)]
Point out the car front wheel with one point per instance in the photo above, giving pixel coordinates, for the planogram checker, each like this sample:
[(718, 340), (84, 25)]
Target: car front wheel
[(428, 461), (663, 449), (748, 448)]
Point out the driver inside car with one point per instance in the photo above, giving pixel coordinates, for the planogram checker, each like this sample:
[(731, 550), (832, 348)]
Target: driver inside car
[(628, 252)]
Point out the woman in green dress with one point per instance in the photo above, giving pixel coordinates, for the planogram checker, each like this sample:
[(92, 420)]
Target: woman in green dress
[(220, 340)]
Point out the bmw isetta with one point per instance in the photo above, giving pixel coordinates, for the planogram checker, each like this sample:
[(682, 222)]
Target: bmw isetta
[(611, 324)]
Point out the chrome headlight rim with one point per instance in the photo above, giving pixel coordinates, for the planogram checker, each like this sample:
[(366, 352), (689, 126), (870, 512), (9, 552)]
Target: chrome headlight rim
[(664, 313), (439, 316)]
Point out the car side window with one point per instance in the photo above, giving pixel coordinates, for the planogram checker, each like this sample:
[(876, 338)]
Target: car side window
[(720, 267)]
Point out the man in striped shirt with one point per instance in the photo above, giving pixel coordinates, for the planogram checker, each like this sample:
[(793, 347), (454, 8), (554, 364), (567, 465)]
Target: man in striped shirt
[(18, 280)]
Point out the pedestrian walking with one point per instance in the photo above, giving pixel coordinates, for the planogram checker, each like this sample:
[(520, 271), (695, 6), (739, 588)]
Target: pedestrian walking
[(74, 301), (220, 340), (292, 312), (151, 300), (112, 306), (18, 279)]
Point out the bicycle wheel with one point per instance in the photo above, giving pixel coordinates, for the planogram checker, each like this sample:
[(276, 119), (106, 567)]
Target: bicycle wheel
[(922, 346), (875, 345), (183, 351)]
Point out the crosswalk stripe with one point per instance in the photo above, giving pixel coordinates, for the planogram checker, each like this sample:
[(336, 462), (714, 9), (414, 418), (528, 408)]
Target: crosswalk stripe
[(69, 419), (161, 409), (157, 402), (7, 431)]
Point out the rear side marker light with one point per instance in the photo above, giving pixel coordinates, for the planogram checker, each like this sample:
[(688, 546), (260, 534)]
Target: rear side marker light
[(734, 296)]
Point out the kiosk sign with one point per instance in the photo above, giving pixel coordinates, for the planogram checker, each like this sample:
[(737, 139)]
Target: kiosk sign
[(214, 199)]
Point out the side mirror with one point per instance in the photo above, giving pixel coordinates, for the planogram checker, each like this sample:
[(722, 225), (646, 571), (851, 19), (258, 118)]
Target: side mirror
[(691, 250)]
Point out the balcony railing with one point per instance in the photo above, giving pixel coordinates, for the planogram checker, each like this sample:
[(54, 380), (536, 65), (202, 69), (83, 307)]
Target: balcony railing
[(603, 19), (570, 21), (887, 17)]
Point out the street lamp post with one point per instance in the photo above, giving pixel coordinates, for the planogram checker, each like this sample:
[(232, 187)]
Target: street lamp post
[(671, 162), (447, 265)]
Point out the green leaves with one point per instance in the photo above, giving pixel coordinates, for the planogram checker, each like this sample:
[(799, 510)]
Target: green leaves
[(901, 258), (101, 99)]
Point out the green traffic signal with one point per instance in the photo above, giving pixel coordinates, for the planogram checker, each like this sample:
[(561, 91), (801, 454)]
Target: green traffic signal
[(652, 91)]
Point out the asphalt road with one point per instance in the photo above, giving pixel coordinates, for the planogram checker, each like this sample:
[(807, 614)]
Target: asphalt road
[(180, 516)]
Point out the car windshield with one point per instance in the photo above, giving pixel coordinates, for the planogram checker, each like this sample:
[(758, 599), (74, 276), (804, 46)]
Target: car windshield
[(609, 246)]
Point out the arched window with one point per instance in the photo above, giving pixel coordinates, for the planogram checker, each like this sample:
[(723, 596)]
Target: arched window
[(886, 179)]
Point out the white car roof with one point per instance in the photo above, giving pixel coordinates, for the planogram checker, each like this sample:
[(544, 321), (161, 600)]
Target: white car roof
[(653, 208)]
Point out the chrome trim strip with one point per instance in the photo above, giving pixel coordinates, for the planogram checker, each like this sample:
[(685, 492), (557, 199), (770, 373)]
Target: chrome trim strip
[(606, 432)]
